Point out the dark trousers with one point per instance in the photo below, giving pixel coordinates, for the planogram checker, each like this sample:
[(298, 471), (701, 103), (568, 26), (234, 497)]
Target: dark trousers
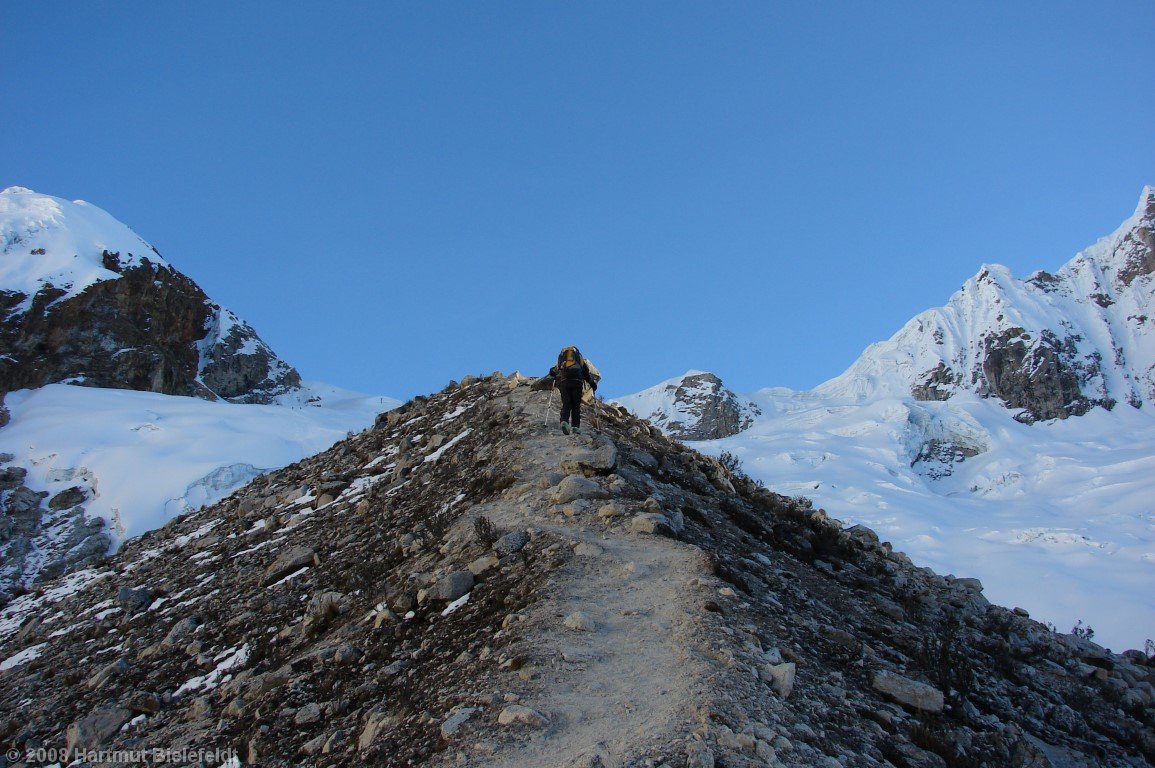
[(571, 402)]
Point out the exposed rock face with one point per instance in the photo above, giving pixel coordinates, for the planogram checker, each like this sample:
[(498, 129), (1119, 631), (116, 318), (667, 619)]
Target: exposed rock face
[(756, 632), (694, 407), (1044, 379), (143, 331), (41, 538), (84, 300)]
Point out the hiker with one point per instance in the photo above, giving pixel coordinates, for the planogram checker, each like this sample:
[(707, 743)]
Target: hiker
[(569, 376)]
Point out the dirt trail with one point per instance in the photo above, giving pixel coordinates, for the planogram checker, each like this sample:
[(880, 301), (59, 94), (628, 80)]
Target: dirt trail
[(631, 678)]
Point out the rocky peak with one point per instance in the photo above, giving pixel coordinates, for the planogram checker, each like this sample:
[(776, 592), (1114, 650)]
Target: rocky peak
[(85, 300), (1051, 346), (463, 580), (695, 406)]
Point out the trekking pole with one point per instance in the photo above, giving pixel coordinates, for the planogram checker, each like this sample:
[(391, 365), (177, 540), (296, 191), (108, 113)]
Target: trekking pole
[(548, 406)]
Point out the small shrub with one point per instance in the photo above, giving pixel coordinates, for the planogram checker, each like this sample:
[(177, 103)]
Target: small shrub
[(1085, 632), (732, 463), (947, 662), (485, 531)]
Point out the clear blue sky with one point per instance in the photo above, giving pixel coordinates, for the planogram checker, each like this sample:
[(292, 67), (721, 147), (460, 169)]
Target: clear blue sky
[(397, 194)]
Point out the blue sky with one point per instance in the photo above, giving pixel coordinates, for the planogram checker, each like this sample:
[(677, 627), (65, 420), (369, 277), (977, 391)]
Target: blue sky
[(397, 194)]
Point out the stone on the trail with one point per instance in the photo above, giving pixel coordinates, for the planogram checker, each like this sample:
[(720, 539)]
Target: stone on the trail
[(516, 714), (510, 543), (600, 461), (651, 522), (588, 549), (577, 487), (580, 622), (909, 692), (611, 511), (780, 677), (291, 560), (455, 585), (577, 508)]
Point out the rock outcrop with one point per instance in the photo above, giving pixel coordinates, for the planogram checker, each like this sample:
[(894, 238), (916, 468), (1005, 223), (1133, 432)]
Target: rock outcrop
[(695, 406), (444, 589)]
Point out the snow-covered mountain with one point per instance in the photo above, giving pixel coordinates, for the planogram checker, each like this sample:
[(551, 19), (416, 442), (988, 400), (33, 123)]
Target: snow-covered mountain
[(694, 406), (181, 401), (1009, 435), (85, 300), (1050, 346)]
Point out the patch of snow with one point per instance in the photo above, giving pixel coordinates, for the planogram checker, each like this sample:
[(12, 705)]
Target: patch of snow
[(456, 604), (23, 657), (441, 451)]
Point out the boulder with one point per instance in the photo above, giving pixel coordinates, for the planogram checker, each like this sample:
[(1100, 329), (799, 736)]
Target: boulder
[(455, 585), (308, 714), (453, 724), (652, 523), (289, 561), (133, 600), (600, 461), (577, 487), (516, 714), (377, 722), (510, 543), (92, 731), (910, 693), (780, 677)]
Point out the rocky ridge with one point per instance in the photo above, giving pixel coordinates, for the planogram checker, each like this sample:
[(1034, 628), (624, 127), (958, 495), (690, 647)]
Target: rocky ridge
[(462, 585)]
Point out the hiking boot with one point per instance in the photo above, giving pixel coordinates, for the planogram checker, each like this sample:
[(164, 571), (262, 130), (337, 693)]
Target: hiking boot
[(565, 427), (577, 430)]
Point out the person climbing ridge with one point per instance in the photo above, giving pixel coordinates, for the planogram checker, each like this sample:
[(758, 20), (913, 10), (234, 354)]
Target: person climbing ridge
[(569, 376)]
